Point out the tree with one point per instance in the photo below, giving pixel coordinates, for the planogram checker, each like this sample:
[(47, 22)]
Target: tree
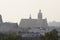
[(51, 35), (41, 37), (12, 37), (47, 36), (54, 35)]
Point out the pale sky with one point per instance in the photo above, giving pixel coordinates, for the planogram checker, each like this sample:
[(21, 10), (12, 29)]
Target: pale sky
[(14, 10)]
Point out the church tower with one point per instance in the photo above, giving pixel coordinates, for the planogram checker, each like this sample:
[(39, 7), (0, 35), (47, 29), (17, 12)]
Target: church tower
[(1, 19), (30, 17), (40, 15)]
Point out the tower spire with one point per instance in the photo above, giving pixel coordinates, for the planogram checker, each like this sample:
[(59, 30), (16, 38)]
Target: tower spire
[(40, 14), (30, 16), (40, 11), (1, 19)]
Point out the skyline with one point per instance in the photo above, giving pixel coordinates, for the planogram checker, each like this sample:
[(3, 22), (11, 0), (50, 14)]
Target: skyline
[(14, 10)]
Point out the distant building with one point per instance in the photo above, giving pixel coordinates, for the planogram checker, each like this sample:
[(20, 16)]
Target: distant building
[(54, 24), (40, 22), (8, 27)]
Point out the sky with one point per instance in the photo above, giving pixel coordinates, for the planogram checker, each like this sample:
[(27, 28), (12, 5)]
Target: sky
[(15, 10)]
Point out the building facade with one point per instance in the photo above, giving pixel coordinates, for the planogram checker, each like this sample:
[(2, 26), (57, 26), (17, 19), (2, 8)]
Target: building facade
[(39, 22)]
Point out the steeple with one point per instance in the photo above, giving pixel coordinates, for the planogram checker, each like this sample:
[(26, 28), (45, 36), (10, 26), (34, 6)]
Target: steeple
[(1, 19), (40, 14), (40, 11), (30, 16)]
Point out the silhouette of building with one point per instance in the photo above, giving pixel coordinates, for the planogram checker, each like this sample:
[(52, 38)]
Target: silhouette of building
[(1, 21), (7, 26), (40, 22)]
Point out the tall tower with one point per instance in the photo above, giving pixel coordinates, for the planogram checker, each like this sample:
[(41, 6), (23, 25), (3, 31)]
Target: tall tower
[(1, 19), (40, 15), (30, 16)]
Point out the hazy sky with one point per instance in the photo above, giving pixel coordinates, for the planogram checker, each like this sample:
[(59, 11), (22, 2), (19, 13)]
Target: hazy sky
[(14, 10)]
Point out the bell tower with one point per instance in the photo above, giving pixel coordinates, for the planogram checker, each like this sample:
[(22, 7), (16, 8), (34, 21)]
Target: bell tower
[(1, 19), (30, 17), (40, 15)]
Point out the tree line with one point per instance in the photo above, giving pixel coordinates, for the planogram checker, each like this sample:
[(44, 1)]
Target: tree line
[(52, 35), (9, 36)]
